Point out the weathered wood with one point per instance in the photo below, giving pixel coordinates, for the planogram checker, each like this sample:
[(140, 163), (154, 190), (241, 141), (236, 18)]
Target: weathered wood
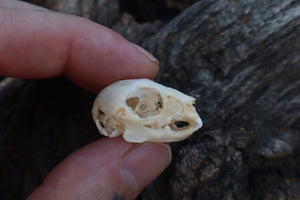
[(240, 60)]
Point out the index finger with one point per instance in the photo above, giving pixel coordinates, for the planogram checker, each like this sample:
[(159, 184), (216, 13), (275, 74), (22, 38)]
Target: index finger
[(40, 44)]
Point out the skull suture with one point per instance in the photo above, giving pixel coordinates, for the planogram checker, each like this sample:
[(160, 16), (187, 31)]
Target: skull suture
[(141, 110)]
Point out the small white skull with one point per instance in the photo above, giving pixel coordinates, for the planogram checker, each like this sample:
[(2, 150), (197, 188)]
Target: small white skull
[(141, 110)]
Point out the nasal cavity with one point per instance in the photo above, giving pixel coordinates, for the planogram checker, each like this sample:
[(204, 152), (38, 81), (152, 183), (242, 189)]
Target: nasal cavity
[(179, 125)]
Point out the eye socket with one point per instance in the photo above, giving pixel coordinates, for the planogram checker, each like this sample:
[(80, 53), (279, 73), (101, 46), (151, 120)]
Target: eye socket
[(146, 102), (132, 102), (179, 125)]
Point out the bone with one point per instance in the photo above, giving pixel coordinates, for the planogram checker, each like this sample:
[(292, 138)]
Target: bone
[(144, 111)]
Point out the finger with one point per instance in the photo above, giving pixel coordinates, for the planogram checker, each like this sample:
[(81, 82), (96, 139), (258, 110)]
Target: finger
[(20, 5), (40, 43), (105, 169)]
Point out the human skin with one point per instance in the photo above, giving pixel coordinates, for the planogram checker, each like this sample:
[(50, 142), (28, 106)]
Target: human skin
[(37, 43)]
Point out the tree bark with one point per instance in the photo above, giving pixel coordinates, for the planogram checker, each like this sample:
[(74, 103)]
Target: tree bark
[(239, 59)]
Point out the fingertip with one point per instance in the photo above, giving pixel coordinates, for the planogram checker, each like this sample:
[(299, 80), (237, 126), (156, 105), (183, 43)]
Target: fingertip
[(143, 164), (105, 169), (146, 53), (103, 57)]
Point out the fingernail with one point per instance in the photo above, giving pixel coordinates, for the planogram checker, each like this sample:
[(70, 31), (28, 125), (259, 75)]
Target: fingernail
[(143, 164), (146, 53)]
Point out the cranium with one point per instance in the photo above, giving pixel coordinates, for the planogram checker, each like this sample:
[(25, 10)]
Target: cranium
[(141, 110)]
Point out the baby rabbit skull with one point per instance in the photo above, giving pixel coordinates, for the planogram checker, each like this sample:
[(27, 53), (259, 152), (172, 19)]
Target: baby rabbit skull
[(141, 110)]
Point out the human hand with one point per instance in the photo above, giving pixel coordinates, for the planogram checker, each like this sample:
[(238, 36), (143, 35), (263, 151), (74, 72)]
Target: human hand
[(37, 43)]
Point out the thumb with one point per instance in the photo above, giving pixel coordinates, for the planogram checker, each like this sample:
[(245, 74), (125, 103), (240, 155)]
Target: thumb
[(105, 169)]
